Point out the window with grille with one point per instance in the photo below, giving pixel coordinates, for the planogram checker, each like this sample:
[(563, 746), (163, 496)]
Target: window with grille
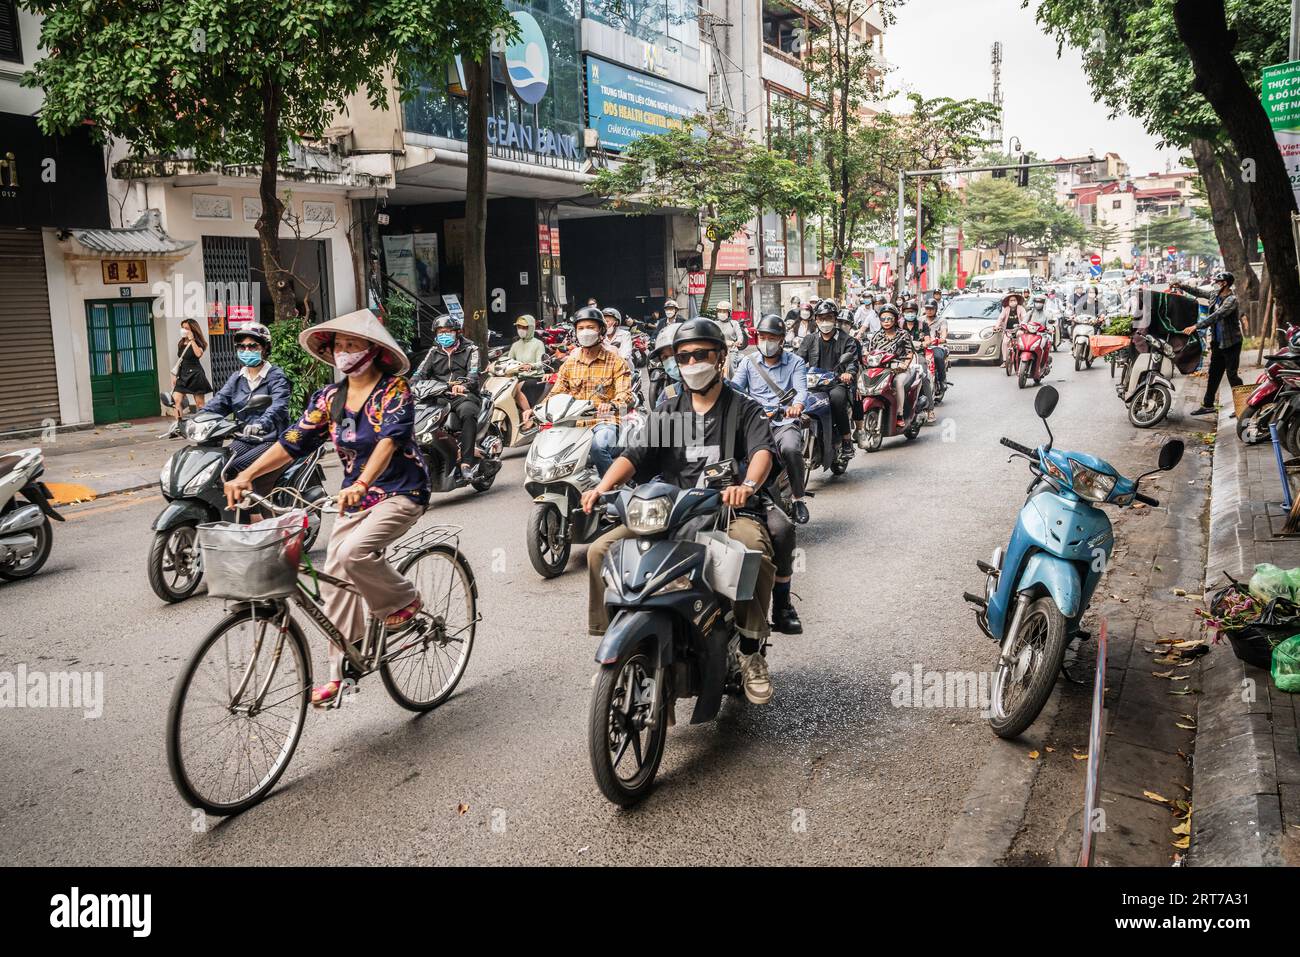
[(11, 43)]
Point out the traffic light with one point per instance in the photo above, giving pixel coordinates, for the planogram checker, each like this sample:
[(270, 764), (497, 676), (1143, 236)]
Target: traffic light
[(1024, 171), (999, 174)]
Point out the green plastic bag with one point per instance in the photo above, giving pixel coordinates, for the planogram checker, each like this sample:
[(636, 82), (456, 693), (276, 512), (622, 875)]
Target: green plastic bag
[(1270, 582), (1293, 576), (1286, 665)]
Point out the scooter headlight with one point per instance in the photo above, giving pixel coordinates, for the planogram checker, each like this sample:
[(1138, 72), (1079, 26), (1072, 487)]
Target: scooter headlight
[(1091, 485), (561, 465), (205, 475), (200, 430), (648, 516)]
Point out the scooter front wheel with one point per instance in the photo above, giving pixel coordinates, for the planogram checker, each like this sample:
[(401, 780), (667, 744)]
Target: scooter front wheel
[(1024, 373), (1027, 668), (627, 727), (874, 430), (1149, 407), (548, 548), (175, 566)]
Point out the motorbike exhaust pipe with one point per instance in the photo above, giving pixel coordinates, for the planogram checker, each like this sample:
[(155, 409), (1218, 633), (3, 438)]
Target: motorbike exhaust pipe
[(25, 519)]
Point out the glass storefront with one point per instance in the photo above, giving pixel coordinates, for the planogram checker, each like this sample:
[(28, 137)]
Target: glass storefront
[(674, 24), (551, 127)]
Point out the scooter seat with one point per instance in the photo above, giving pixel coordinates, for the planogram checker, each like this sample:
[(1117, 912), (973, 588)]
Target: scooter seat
[(8, 463)]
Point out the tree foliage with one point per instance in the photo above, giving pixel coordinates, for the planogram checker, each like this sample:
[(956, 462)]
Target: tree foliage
[(710, 168)]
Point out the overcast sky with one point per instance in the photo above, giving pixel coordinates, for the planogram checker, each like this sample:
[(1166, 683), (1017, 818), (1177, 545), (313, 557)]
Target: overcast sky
[(943, 48)]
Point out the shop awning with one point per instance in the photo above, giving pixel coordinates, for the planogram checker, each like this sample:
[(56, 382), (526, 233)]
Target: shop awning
[(145, 238)]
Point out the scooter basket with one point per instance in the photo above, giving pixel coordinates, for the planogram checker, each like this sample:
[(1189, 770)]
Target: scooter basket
[(253, 562), (731, 569), (1240, 396)]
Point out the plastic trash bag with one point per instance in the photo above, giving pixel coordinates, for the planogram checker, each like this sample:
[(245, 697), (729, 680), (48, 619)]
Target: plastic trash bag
[(1270, 582), (1286, 665), (1293, 574)]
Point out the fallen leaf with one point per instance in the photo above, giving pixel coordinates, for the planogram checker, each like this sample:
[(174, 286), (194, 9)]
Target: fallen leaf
[(1049, 750), (1153, 796), (1183, 691), (1184, 828), (1079, 757), (1033, 755), (1185, 727), (1179, 593), (1162, 674), (462, 808), (1189, 717), (1183, 843)]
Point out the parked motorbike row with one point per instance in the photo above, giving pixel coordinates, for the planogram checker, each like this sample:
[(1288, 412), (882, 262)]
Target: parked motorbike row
[(1275, 400)]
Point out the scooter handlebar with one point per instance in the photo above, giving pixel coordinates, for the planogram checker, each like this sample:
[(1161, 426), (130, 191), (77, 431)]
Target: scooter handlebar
[(1146, 500), (1017, 447)]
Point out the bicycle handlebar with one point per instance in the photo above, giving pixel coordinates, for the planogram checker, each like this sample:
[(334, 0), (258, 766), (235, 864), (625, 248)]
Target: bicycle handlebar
[(252, 499)]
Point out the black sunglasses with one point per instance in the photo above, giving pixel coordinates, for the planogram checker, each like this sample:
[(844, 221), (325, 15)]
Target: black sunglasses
[(251, 344), (696, 355)]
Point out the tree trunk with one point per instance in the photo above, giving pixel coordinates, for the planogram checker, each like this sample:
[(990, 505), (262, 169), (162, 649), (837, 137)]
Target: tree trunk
[(278, 279), (1202, 25), (708, 280), (478, 77), (1223, 215)]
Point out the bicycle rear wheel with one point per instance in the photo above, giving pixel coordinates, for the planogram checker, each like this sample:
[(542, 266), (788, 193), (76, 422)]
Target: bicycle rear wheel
[(237, 711), (423, 663)]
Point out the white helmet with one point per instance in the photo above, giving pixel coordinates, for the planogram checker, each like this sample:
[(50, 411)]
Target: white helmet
[(725, 305), (665, 338)]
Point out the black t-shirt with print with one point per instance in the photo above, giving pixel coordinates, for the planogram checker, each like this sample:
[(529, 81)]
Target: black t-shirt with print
[(661, 447)]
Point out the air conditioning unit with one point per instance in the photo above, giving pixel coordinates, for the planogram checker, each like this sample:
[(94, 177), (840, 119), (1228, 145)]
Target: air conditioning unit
[(590, 139)]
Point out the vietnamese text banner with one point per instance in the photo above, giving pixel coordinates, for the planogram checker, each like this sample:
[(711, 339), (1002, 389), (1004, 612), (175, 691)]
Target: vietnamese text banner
[(623, 104)]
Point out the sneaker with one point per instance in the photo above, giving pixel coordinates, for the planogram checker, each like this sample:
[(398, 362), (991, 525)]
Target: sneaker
[(786, 621), (756, 678), (466, 471), (1204, 410), (859, 435), (800, 511)]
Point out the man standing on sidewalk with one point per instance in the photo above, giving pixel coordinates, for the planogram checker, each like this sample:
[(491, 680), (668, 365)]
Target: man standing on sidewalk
[(1225, 341)]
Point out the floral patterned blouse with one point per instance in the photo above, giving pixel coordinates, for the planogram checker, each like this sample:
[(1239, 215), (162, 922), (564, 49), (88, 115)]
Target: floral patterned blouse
[(388, 413)]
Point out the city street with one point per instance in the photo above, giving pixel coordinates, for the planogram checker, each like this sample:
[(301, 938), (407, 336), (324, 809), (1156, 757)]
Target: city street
[(828, 773)]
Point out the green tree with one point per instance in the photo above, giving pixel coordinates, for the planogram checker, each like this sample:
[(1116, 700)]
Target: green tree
[(711, 169), (1188, 234), (998, 213), (234, 82), (1103, 236)]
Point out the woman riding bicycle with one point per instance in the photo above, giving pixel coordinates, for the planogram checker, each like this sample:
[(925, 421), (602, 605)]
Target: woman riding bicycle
[(370, 417)]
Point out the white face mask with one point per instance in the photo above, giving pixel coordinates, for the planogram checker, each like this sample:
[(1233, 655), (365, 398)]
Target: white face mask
[(769, 347), (698, 376), (524, 332), (588, 337), (805, 314), (825, 326), (354, 363)]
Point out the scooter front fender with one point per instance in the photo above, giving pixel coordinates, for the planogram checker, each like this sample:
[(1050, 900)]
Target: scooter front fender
[(1057, 578), (558, 499), (629, 628), (183, 511)]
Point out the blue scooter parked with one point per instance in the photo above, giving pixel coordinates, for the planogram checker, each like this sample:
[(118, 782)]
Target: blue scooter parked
[(1037, 590)]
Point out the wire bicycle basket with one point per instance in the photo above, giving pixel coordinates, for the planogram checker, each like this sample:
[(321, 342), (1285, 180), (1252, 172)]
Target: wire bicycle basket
[(253, 562)]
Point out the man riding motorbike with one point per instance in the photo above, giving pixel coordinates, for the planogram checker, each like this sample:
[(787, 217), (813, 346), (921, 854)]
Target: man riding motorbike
[(700, 347), (835, 351), (595, 372), (455, 360), (919, 332), (668, 318), (665, 377), (893, 339), (938, 343)]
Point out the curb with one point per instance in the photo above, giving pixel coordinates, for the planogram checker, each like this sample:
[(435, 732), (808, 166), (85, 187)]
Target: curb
[(1238, 811)]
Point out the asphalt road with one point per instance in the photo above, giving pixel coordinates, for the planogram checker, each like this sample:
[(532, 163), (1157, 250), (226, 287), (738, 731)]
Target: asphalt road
[(829, 772)]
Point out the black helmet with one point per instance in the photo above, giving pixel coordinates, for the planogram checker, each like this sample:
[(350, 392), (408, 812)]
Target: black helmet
[(700, 329), (826, 308), (590, 314), (888, 309), (446, 322), (1224, 276), (771, 324)]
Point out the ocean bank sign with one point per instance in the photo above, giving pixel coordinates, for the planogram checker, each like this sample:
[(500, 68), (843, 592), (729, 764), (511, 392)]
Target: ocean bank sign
[(623, 104), (528, 65)]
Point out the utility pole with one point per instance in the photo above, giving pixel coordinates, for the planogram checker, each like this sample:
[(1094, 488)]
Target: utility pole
[(1295, 30), (995, 127)]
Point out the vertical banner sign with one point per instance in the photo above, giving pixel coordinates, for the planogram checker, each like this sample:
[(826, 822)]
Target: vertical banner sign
[(426, 263), (399, 259), (1280, 91)]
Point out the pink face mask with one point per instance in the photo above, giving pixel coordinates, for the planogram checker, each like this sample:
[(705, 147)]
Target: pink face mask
[(354, 363)]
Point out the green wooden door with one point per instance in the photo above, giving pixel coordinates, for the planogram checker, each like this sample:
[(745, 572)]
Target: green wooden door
[(123, 362)]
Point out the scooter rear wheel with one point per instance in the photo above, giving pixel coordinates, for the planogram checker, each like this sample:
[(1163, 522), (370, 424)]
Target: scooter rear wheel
[(1027, 673), (625, 754), (32, 564)]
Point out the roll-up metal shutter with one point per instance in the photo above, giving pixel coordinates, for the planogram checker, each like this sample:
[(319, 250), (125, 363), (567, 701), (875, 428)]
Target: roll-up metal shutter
[(29, 385)]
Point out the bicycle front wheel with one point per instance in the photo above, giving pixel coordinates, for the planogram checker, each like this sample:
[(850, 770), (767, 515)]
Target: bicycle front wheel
[(424, 661), (237, 711)]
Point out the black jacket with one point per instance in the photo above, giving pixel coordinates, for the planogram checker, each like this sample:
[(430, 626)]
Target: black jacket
[(462, 366), (841, 353), (1224, 315)]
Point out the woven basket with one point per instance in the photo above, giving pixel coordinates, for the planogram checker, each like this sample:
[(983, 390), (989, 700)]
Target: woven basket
[(1240, 393)]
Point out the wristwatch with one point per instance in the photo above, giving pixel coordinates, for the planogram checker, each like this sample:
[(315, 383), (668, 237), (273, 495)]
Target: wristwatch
[(750, 484)]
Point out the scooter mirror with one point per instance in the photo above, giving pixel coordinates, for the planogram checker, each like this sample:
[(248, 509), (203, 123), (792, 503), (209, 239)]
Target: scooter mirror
[(1171, 453), (1045, 401)]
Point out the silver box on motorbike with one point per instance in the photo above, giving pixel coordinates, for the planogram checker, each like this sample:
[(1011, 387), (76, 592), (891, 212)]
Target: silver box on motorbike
[(253, 562), (731, 568)]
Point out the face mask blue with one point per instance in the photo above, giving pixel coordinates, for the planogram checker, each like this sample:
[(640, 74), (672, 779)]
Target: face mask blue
[(670, 366), (446, 339), (249, 358)]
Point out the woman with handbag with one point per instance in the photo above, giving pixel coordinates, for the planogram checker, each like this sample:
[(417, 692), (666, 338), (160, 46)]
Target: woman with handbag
[(188, 377)]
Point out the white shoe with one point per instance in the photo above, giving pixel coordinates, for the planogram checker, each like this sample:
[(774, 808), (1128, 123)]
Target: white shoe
[(756, 678)]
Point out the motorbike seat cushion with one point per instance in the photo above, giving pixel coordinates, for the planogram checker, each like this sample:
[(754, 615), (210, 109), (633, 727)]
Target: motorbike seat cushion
[(8, 463)]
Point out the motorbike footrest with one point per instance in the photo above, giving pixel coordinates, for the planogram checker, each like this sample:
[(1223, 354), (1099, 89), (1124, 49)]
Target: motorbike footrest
[(985, 567), (1080, 635), (977, 600)]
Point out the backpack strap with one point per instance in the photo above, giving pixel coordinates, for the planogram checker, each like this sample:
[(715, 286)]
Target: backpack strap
[(337, 402)]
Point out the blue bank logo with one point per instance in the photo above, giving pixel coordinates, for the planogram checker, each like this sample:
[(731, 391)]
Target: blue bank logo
[(527, 61)]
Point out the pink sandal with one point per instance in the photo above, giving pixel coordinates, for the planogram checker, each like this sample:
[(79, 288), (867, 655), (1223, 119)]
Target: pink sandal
[(323, 694), (403, 615)]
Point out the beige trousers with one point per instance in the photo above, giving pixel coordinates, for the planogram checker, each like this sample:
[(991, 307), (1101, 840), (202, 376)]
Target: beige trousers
[(356, 554)]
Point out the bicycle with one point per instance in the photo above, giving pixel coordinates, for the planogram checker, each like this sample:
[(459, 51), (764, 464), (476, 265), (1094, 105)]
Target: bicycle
[(238, 707)]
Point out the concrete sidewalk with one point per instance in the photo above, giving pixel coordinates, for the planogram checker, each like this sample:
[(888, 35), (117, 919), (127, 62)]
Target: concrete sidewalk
[(105, 460), (1246, 777)]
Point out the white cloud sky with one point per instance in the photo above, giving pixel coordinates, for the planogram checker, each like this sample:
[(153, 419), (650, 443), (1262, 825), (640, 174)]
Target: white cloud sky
[(943, 48)]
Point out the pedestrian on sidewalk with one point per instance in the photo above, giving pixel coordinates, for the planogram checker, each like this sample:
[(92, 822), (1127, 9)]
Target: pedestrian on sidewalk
[(188, 377), (1225, 319)]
